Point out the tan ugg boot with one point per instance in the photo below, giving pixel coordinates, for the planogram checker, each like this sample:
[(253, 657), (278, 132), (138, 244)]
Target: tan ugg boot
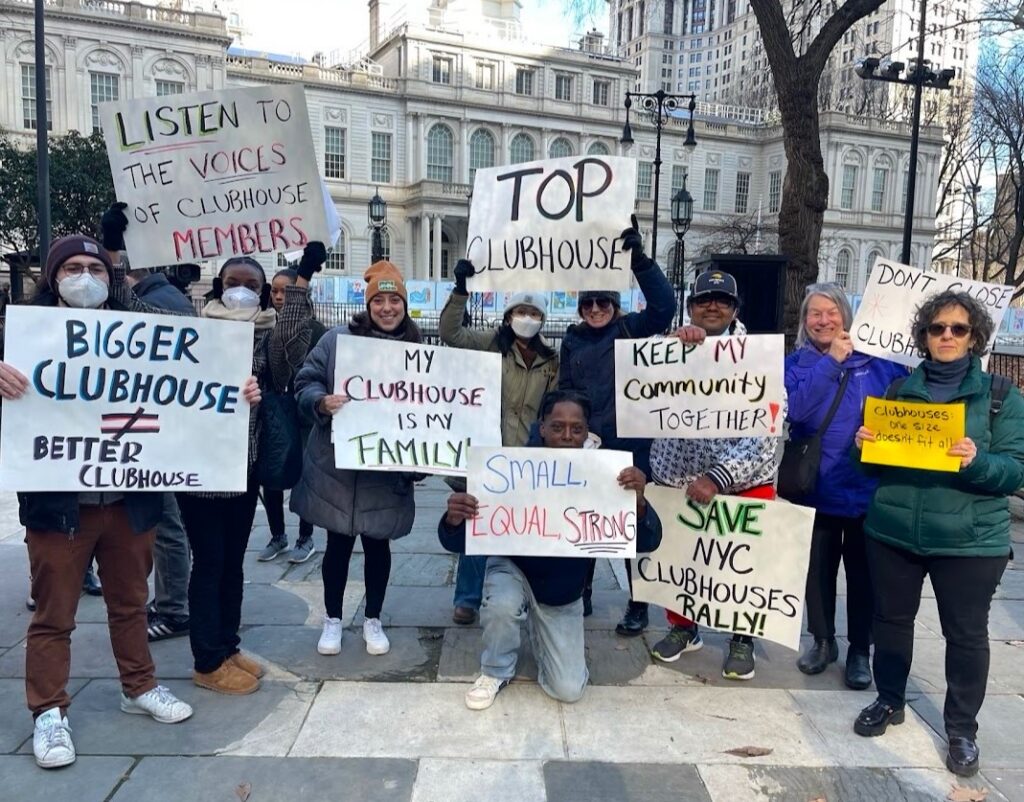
[(229, 679), (247, 664)]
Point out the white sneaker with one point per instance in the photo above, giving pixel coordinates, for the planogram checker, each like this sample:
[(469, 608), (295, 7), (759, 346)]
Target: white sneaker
[(159, 704), (330, 638), (51, 742), (376, 641), (484, 691)]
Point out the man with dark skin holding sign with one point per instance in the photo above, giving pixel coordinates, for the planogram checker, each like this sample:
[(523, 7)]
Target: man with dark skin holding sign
[(546, 592)]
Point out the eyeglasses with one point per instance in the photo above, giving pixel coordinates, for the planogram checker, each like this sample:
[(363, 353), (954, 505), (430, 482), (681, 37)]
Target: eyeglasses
[(604, 304), (717, 300), (958, 330), (96, 269)]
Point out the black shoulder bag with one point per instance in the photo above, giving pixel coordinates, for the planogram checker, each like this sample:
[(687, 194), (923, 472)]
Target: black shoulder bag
[(801, 457), (279, 458)]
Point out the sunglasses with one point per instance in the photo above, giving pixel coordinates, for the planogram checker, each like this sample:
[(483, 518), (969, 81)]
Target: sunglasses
[(604, 304), (958, 330), (717, 300)]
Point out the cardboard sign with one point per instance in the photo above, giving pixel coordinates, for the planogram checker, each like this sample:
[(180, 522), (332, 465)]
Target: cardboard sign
[(724, 387), (215, 174), (737, 564), (882, 325), (913, 435), (551, 502), (552, 224), (122, 402), (413, 407)]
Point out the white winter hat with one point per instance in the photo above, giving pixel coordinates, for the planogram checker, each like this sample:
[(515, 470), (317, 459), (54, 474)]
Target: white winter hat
[(534, 299)]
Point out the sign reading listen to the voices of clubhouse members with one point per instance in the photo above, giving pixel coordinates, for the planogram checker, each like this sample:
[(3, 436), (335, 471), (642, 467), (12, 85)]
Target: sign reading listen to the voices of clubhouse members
[(885, 317), (724, 387), (121, 402), (736, 564), (552, 224), (913, 435), (551, 502), (215, 174), (413, 407)]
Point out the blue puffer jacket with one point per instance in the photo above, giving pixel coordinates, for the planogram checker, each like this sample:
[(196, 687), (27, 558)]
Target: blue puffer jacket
[(812, 381), (156, 290)]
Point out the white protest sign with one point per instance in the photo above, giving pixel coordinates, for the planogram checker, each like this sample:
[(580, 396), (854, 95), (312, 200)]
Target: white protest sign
[(550, 502), (121, 402), (552, 224), (736, 564), (724, 387), (215, 174), (882, 325), (413, 407)]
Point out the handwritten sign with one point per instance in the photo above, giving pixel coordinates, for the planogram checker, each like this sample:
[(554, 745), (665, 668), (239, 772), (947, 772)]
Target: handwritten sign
[(882, 325), (737, 564), (913, 435), (552, 224), (122, 402), (551, 502), (215, 174), (413, 407), (724, 387)]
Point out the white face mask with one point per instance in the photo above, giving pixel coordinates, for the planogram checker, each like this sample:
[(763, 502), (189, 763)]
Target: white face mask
[(525, 326), (83, 292), (240, 298)]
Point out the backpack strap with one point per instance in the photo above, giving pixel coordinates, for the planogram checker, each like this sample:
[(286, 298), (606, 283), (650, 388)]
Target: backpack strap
[(894, 388), (999, 390)]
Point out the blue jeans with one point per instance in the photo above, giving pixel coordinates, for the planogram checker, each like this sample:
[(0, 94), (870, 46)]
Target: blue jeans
[(556, 633), (469, 581)]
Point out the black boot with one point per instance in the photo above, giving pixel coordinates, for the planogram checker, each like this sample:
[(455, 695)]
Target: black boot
[(817, 658), (876, 717), (858, 671), (634, 620), (962, 758), (588, 604), (91, 583)]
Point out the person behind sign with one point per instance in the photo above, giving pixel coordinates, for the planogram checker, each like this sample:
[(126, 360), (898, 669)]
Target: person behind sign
[(376, 506), (529, 369), (814, 376), (740, 466), (545, 592), (63, 530), (952, 527)]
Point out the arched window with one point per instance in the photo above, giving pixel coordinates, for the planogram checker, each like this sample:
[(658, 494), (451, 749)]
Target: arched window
[(598, 149), (336, 256), (871, 262), (440, 153), (481, 151), (521, 149), (385, 243), (560, 148), (843, 261)]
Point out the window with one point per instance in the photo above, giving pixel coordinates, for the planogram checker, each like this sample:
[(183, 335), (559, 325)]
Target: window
[(679, 173), (28, 98), (524, 81), (560, 148), (164, 88), (669, 11), (336, 256), (334, 152), (440, 153), (601, 91), (385, 243), (644, 171), (380, 158), (481, 151), (774, 191), (742, 192), (441, 72), (903, 200), (102, 87), (710, 189), (521, 149), (848, 187), (563, 87), (598, 149), (484, 76), (878, 189), (843, 267)]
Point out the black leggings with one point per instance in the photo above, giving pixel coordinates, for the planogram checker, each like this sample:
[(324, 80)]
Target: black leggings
[(273, 503), (376, 571)]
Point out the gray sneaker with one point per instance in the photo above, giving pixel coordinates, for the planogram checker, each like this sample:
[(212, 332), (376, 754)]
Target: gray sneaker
[(304, 549), (676, 643), (277, 545), (740, 662)]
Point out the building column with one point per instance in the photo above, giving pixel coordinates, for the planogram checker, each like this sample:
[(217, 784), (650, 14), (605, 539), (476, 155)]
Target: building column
[(436, 274), (410, 240), (423, 256)]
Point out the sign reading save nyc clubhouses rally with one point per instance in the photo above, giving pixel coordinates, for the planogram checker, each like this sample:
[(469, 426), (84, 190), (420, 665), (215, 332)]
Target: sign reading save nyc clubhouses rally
[(215, 174), (122, 402)]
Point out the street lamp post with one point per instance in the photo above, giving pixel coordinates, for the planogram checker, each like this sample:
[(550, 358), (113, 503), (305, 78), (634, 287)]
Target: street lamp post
[(658, 104), (682, 216), (377, 211), (919, 75)]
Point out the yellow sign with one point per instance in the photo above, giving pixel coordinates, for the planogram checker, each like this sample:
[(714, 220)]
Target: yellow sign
[(913, 435)]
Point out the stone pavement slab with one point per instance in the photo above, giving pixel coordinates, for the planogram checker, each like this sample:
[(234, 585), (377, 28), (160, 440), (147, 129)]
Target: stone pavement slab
[(999, 726), (613, 782), (14, 590), (16, 719), (1009, 782), (88, 779), (477, 780), (1006, 668)]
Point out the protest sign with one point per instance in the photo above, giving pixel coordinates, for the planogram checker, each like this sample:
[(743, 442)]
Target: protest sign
[(913, 435), (413, 407), (550, 502), (724, 387), (122, 402), (882, 325), (736, 564), (552, 224), (215, 174)]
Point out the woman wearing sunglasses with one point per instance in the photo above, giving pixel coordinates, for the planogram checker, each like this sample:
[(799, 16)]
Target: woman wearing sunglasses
[(952, 527)]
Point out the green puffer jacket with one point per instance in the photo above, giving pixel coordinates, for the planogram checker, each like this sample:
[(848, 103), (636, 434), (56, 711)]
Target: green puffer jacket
[(522, 387), (964, 514)]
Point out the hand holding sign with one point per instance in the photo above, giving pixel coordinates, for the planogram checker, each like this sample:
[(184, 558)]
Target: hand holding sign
[(461, 507), (330, 404), (965, 449), (13, 383), (251, 391)]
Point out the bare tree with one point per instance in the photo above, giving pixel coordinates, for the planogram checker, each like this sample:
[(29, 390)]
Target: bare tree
[(741, 233)]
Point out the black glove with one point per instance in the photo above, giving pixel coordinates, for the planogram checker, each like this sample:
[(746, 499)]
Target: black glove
[(463, 269), (634, 243), (113, 224), (313, 257)]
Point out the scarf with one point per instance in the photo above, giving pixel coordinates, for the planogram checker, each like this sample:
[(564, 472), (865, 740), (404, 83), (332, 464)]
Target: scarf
[(263, 318), (943, 378)]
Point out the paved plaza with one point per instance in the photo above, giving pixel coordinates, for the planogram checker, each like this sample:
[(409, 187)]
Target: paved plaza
[(355, 727)]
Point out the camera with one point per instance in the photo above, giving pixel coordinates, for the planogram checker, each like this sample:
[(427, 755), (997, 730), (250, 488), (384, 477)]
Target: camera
[(181, 275)]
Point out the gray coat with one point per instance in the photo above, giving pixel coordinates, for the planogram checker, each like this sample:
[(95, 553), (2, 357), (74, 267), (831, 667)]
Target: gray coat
[(378, 504)]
